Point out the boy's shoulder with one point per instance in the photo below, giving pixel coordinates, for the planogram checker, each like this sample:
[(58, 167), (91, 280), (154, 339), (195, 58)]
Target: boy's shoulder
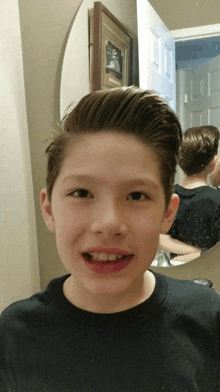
[(32, 310), (183, 287), (187, 294), (175, 296), (19, 313)]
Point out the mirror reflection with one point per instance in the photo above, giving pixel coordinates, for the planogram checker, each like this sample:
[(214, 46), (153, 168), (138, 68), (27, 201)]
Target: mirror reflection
[(188, 80), (197, 224)]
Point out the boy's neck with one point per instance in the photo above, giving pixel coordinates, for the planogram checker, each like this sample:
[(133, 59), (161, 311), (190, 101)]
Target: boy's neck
[(199, 179), (195, 181), (98, 303)]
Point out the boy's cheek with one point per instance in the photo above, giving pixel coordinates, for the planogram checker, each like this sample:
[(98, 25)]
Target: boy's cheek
[(165, 228)]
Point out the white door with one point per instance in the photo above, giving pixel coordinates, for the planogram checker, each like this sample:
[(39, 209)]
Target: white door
[(213, 104), (199, 95), (156, 53)]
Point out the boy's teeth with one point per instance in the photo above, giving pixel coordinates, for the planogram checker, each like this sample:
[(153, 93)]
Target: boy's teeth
[(112, 257), (104, 256)]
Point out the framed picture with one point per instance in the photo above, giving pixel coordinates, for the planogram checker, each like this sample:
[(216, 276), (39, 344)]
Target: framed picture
[(113, 51)]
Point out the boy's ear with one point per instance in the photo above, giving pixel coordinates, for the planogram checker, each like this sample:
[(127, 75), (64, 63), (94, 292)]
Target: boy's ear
[(47, 210), (170, 214)]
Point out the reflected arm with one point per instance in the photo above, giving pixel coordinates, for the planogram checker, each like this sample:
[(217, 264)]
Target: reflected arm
[(172, 245), (189, 257)]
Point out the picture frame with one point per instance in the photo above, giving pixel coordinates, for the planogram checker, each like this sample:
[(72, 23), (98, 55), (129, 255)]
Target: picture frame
[(113, 51)]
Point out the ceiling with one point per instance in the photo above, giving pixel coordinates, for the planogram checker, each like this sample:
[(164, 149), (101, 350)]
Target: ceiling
[(181, 14)]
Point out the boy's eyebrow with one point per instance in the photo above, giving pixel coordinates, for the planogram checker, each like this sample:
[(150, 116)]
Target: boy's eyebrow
[(135, 181), (84, 177), (144, 182)]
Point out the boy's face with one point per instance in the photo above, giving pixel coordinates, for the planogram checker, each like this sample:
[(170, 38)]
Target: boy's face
[(107, 211)]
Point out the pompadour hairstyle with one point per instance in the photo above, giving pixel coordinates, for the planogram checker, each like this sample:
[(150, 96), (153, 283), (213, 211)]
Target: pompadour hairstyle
[(127, 110)]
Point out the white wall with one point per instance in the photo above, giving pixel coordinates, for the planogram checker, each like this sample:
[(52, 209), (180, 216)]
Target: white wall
[(19, 271)]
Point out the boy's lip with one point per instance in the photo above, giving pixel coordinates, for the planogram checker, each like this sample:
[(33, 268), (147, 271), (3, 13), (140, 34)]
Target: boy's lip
[(108, 251)]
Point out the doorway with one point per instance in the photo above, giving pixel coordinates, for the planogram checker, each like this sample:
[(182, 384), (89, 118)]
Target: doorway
[(193, 34), (197, 81)]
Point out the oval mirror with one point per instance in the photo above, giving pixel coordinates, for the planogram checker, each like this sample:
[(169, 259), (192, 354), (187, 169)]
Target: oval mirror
[(75, 77)]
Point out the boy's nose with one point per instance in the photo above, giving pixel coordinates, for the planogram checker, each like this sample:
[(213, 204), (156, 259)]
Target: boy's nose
[(109, 222)]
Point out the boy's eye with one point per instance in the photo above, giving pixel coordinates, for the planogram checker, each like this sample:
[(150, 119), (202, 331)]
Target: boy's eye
[(81, 193), (139, 196)]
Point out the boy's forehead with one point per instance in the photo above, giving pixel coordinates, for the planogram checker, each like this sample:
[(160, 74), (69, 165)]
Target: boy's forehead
[(111, 155), (108, 138), (104, 143)]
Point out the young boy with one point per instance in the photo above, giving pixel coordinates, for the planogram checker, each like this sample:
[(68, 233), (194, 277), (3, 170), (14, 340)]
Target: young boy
[(197, 222), (111, 325)]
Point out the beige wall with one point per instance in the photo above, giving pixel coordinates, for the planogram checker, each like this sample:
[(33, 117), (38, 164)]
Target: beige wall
[(19, 272), (44, 30), (45, 26)]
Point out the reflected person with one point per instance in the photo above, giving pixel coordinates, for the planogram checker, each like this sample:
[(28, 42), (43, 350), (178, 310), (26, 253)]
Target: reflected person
[(197, 223)]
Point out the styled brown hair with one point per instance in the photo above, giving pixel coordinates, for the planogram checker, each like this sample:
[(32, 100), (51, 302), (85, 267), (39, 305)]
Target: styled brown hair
[(198, 148), (128, 110)]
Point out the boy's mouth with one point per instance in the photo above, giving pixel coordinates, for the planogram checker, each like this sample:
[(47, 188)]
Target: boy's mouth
[(107, 261), (105, 257)]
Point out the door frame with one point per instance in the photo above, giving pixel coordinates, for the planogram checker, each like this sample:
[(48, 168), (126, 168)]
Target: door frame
[(196, 32)]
